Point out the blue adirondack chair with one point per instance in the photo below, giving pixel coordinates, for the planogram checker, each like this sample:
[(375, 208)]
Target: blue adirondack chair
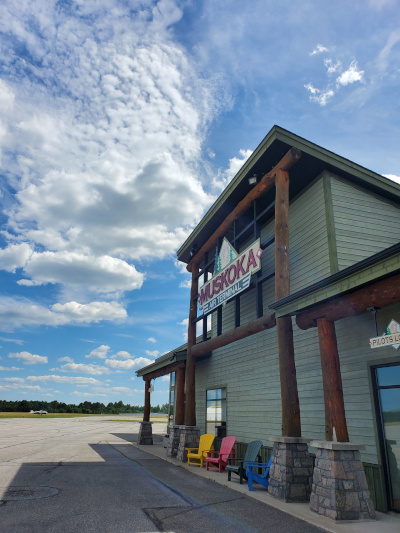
[(251, 455), (258, 478)]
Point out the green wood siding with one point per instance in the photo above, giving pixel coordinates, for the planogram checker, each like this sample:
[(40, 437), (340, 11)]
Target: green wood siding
[(364, 223)]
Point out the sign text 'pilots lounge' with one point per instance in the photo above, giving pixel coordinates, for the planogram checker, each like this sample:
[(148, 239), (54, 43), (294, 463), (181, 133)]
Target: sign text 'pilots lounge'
[(232, 279)]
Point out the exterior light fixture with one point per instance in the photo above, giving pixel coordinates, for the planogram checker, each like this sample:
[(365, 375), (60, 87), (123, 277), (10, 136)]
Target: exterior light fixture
[(253, 179)]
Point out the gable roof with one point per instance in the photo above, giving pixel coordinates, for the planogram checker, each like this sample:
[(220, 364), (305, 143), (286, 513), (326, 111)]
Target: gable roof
[(313, 161)]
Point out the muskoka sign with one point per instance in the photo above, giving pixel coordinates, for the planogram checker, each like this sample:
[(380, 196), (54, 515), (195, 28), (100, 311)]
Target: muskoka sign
[(232, 275)]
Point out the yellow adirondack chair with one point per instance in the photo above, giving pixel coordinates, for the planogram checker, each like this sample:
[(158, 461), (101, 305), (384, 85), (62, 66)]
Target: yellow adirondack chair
[(200, 453)]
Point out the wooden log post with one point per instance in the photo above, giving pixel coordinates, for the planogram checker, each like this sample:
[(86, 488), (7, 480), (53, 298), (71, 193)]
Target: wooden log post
[(291, 426), (146, 413), (190, 408), (180, 397), (335, 416)]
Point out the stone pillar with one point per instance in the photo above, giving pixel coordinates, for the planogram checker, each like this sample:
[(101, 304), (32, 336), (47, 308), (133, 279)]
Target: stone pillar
[(174, 438), (189, 438), (145, 433), (290, 475), (340, 488)]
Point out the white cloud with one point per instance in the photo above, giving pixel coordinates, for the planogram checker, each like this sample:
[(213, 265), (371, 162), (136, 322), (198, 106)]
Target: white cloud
[(9, 368), (332, 67), (235, 164), (392, 177), (65, 379), (351, 75), (319, 49), (185, 284), (7, 97), (122, 354), (129, 364), (100, 352), (28, 358), (166, 378), (19, 312), (88, 394), (151, 339), (153, 353), (102, 274), (16, 341), (95, 370), (104, 136), (92, 312), (320, 96), (65, 360), (15, 256)]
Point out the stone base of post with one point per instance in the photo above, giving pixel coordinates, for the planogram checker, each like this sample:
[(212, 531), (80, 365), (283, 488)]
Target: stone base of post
[(189, 438), (174, 439), (145, 433), (340, 488), (290, 474)]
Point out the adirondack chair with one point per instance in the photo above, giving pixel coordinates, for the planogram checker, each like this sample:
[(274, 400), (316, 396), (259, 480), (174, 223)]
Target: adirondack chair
[(220, 459), (253, 476), (251, 455), (200, 453)]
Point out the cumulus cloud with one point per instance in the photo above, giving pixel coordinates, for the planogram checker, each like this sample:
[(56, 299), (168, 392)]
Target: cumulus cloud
[(351, 75), (101, 274), (151, 339), (9, 368), (95, 370), (19, 312), (153, 353), (166, 378), (128, 364), (235, 164), (28, 358), (65, 360), (105, 134), (14, 256), (100, 352)]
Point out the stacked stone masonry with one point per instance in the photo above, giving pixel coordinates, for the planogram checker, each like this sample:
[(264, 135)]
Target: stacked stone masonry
[(174, 439), (340, 489), (291, 472), (145, 433), (189, 438)]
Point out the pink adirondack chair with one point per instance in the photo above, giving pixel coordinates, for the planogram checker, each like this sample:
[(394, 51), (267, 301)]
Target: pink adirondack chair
[(220, 459)]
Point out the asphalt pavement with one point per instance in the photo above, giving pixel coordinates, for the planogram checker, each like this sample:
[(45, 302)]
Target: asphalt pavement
[(88, 475)]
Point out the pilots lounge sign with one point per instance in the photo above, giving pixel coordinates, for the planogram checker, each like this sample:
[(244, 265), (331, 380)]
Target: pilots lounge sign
[(391, 338), (232, 275)]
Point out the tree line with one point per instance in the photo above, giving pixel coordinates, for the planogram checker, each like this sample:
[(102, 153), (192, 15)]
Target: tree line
[(86, 408)]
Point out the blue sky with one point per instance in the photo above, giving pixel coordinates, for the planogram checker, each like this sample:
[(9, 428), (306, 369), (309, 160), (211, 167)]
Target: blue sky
[(120, 124)]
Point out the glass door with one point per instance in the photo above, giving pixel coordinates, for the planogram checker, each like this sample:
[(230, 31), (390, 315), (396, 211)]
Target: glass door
[(387, 394)]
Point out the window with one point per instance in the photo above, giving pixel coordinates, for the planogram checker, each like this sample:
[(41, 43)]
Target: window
[(386, 380), (216, 412)]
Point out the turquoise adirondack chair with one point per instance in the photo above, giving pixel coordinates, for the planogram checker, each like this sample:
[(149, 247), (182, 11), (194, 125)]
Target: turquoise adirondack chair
[(220, 459), (258, 478), (251, 455)]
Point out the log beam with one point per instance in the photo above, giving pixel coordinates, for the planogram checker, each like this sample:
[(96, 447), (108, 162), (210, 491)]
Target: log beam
[(180, 397), (379, 294), (252, 327), (190, 407), (264, 185), (335, 416), (165, 370), (146, 413), (291, 425)]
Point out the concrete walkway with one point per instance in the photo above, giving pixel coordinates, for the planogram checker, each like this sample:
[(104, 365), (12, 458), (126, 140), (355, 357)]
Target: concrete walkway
[(384, 523)]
